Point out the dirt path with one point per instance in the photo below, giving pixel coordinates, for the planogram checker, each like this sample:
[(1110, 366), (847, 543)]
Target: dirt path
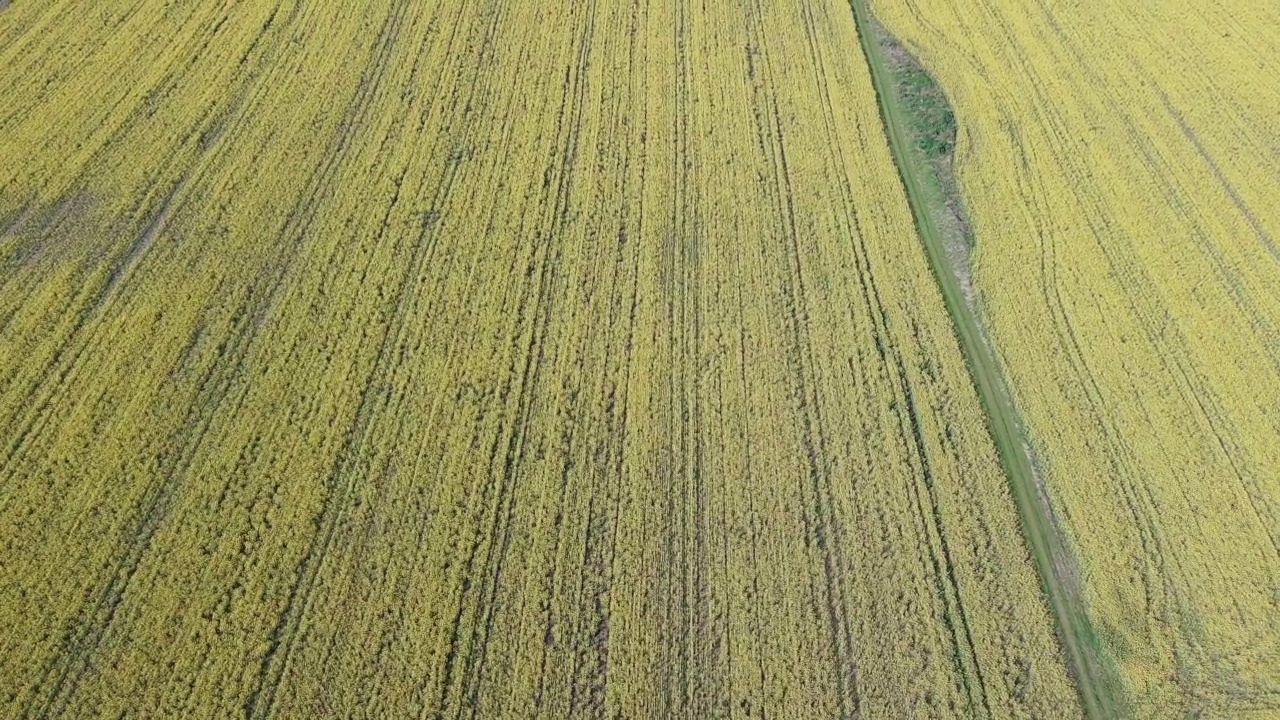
[(1053, 562)]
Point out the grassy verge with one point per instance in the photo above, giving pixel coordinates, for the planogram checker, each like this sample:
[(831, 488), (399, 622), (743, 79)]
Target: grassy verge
[(920, 127)]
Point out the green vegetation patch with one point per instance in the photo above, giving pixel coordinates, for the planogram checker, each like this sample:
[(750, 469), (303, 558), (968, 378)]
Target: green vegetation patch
[(931, 123)]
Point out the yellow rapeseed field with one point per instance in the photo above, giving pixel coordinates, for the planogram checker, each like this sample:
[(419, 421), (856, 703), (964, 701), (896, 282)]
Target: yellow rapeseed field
[(487, 359), (1121, 166)]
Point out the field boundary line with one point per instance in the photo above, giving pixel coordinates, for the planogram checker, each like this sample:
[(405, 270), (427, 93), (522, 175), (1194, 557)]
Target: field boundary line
[(1094, 679)]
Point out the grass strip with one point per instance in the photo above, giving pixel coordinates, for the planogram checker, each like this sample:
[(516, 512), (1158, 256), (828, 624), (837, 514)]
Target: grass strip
[(916, 148)]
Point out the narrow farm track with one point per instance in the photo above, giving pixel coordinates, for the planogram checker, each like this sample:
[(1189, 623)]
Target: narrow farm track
[(484, 359), (1057, 568), (1118, 163)]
